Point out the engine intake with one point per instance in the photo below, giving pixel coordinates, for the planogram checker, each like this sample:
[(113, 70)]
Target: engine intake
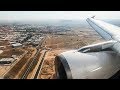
[(92, 65)]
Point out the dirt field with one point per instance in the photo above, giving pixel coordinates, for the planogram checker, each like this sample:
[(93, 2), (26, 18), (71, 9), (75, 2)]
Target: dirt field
[(18, 68), (4, 42), (57, 44), (61, 43), (71, 41), (48, 69), (7, 54)]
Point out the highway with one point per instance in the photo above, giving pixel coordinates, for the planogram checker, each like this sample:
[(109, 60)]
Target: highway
[(27, 71), (40, 66)]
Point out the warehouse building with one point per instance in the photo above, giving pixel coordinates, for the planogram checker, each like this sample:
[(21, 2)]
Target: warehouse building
[(15, 45), (6, 60)]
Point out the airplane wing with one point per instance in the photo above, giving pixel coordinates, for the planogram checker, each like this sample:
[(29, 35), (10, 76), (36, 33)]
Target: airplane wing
[(104, 29), (96, 61), (107, 31)]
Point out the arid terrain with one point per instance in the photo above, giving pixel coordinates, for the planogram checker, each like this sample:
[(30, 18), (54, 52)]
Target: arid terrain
[(35, 58), (32, 44), (61, 43)]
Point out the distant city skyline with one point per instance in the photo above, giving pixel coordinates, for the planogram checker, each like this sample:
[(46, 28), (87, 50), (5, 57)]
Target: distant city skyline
[(48, 15)]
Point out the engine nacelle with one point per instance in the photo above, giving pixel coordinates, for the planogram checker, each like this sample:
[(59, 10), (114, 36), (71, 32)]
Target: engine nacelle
[(92, 65)]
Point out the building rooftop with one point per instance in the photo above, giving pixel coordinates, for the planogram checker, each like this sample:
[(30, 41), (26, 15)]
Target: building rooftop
[(16, 44), (6, 59)]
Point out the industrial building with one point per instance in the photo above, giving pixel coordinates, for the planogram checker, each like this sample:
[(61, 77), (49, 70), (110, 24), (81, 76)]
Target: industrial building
[(6, 60), (14, 45)]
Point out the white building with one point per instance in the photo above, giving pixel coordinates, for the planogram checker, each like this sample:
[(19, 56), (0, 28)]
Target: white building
[(6, 60), (16, 45)]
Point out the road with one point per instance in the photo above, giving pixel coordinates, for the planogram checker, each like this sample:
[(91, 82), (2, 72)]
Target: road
[(27, 71), (40, 66)]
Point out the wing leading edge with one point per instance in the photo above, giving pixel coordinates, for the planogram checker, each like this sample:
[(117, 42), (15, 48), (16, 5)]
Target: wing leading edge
[(106, 30)]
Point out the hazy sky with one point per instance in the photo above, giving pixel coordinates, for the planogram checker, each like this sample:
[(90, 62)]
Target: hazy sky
[(44, 15)]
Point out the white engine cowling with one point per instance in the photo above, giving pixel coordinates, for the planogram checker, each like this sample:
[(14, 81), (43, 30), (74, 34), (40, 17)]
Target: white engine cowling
[(92, 65)]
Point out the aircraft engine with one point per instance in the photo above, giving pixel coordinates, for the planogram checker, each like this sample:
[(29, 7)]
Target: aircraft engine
[(88, 62)]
